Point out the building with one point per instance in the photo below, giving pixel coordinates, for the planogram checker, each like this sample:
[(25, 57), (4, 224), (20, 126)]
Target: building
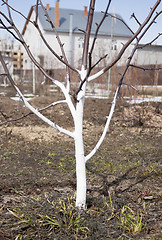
[(70, 25), (13, 56)]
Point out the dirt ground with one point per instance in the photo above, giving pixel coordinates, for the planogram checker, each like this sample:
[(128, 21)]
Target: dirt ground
[(37, 173)]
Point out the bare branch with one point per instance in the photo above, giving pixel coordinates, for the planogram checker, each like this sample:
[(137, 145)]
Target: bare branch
[(152, 22), (52, 51), (133, 16), (36, 16), (17, 12), (9, 12), (98, 27), (105, 128), (3, 74), (3, 115), (145, 69), (112, 106), (159, 34), (30, 113), (101, 72), (105, 56), (129, 85), (87, 34), (36, 25), (113, 16), (68, 66), (8, 30), (81, 30), (32, 109)]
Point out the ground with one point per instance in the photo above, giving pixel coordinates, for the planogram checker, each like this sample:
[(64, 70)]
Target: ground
[(38, 183)]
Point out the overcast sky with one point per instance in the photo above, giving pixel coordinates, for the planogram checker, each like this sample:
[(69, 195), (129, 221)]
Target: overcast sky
[(123, 7)]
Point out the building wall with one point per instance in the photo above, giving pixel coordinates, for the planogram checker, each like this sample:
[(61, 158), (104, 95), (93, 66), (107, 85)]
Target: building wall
[(104, 45), (149, 55)]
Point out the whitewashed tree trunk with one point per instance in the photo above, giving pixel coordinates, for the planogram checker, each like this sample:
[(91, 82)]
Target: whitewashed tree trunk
[(80, 161), (79, 147)]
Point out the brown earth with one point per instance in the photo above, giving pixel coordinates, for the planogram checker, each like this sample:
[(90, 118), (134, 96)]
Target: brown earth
[(37, 173)]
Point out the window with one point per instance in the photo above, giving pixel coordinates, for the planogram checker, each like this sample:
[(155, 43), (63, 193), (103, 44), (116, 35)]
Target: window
[(80, 42)]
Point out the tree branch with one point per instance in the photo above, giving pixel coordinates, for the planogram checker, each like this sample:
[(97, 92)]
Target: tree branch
[(57, 83), (112, 106), (32, 109), (133, 16), (113, 16), (101, 72), (30, 113), (7, 28), (105, 56), (68, 66), (87, 34), (147, 44), (36, 16), (98, 28), (16, 11), (145, 69)]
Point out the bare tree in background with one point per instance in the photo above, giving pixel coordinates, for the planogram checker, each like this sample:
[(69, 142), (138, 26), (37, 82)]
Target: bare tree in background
[(75, 100)]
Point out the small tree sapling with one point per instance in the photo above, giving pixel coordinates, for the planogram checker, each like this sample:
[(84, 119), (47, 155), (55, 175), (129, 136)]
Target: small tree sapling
[(75, 101)]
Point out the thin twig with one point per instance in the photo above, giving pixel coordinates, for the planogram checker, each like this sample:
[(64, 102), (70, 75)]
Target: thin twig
[(16, 11), (133, 16), (145, 69), (105, 56), (129, 85), (120, 19), (30, 113), (149, 43), (98, 28), (3, 74), (5, 27), (150, 24)]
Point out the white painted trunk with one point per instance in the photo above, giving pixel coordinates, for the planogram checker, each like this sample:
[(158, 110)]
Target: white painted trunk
[(79, 147), (80, 158)]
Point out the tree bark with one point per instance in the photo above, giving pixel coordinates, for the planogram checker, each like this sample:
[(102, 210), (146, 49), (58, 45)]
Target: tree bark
[(79, 147)]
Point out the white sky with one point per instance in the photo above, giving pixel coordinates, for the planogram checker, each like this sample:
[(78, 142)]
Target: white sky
[(123, 7)]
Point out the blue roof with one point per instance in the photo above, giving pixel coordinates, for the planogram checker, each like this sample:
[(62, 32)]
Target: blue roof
[(79, 22)]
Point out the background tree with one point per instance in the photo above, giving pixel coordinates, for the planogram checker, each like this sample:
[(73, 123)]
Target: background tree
[(75, 100)]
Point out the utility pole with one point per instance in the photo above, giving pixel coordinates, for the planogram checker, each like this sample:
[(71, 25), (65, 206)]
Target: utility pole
[(33, 79), (111, 48), (71, 38)]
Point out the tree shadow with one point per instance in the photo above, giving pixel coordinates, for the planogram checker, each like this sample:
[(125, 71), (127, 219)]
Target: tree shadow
[(104, 190)]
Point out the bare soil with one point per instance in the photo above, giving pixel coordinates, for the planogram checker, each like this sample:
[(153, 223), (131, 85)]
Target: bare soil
[(37, 173)]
